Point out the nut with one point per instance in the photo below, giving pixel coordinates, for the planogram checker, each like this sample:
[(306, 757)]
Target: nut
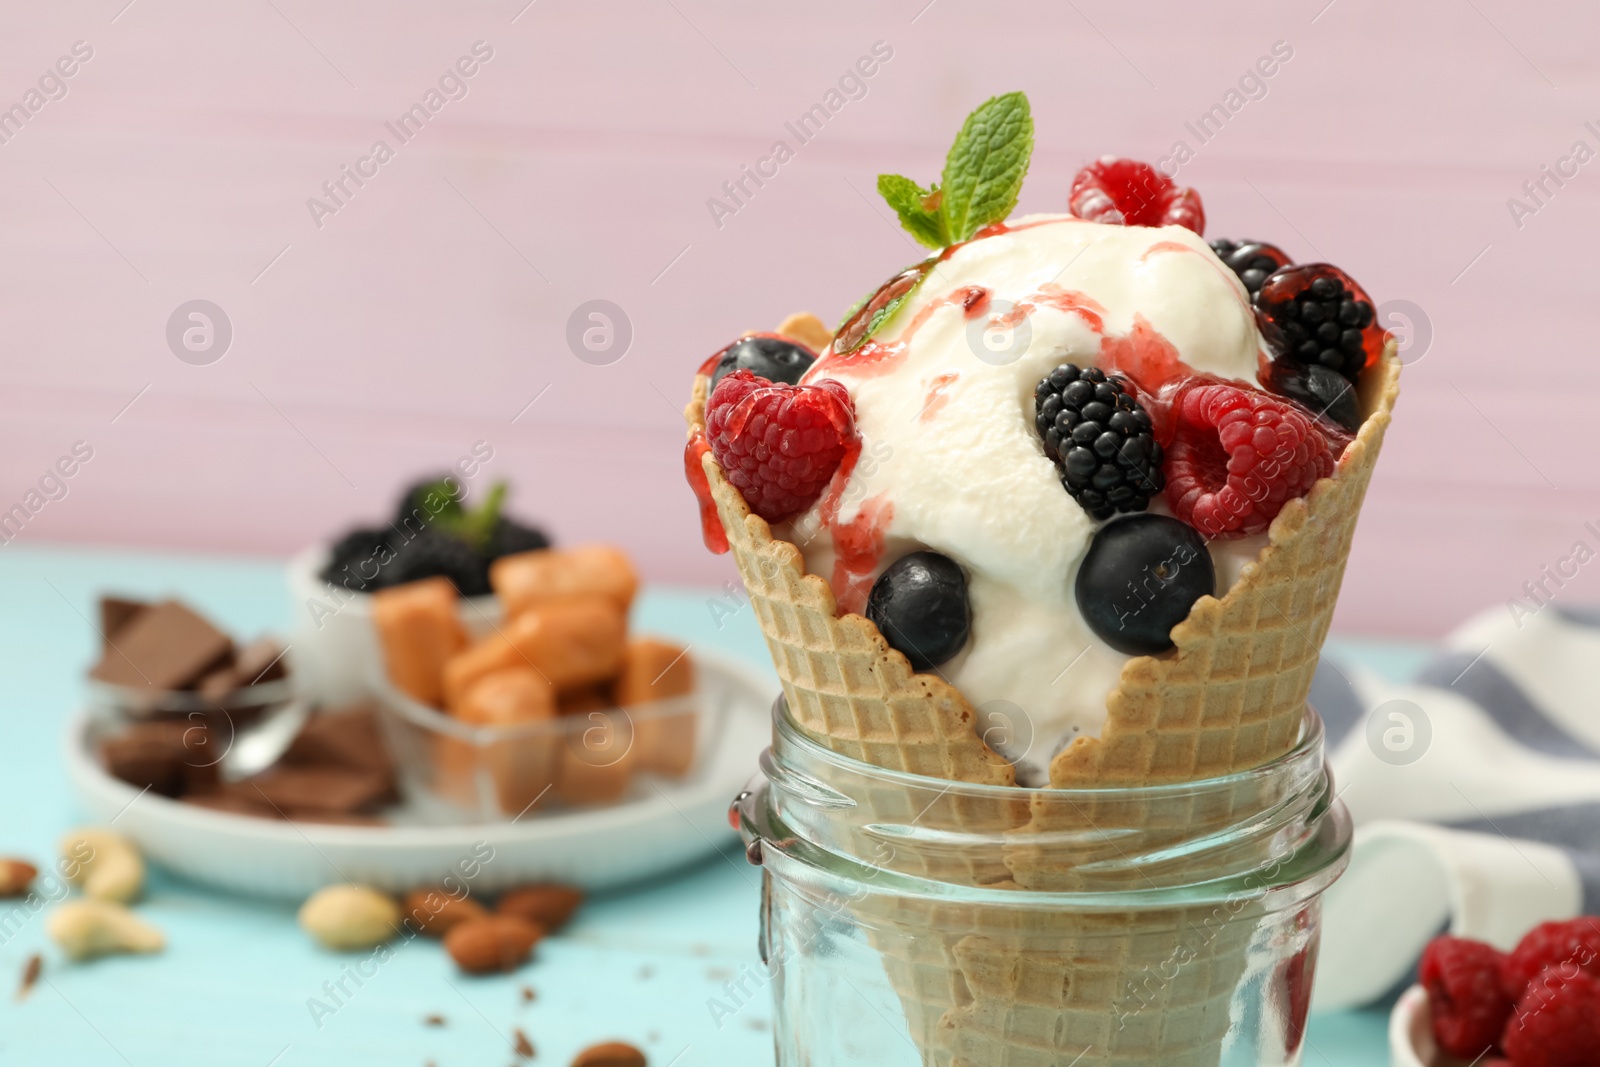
[(16, 876), (349, 917), (549, 906), (609, 1054), (497, 943), (435, 912), (105, 864), (88, 928)]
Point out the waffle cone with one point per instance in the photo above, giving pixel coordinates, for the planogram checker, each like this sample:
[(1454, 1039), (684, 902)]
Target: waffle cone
[(1016, 988)]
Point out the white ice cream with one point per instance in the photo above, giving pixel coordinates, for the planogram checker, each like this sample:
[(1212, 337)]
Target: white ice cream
[(951, 456)]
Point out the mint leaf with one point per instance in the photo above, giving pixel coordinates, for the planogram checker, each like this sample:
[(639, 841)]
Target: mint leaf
[(477, 526), (911, 202), (865, 318), (983, 172)]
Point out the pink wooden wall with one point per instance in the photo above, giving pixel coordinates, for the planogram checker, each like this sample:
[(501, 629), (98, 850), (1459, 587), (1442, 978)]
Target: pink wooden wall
[(432, 307)]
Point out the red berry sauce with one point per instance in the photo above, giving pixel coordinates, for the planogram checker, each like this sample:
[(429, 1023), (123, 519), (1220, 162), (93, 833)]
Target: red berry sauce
[(716, 538)]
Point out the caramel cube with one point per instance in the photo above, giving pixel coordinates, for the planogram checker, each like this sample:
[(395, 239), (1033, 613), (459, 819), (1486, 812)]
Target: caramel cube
[(573, 643), (419, 630), (597, 760), (519, 769), (531, 579), (584, 700), (655, 671)]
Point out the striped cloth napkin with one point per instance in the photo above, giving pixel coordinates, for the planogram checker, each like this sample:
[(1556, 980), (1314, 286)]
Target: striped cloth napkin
[(1475, 792)]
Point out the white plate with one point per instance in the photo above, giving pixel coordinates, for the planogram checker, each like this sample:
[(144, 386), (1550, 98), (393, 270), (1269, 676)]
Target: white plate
[(667, 826), (1411, 1041)]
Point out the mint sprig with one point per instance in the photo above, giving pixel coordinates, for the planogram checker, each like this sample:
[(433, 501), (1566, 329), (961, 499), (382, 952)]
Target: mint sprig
[(473, 525), (982, 177)]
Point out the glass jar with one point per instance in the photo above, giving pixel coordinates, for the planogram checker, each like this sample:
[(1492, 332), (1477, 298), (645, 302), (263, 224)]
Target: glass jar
[(926, 923)]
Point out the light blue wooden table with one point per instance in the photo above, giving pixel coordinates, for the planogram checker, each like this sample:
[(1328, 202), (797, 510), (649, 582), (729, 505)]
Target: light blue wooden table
[(232, 988)]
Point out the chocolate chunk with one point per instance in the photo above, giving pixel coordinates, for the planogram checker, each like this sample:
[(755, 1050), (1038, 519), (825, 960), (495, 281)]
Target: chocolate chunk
[(170, 757), (115, 613), (167, 646), (216, 685), (320, 789), (260, 661), (345, 737)]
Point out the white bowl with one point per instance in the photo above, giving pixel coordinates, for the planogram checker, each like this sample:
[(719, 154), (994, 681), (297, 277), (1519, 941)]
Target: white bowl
[(662, 827), (1411, 1041), (335, 645)]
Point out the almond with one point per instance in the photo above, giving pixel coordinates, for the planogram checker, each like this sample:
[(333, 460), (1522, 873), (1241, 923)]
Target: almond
[(549, 906), (16, 876), (495, 943), (435, 912), (610, 1054)]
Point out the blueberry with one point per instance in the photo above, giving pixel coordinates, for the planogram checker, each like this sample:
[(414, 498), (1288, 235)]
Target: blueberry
[(772, 358), (920, 606), (1139, 579)]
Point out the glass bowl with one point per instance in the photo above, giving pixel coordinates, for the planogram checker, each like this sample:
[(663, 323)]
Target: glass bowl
[(451, 771)]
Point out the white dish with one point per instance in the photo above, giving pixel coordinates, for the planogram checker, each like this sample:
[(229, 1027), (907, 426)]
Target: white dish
[(666, 826), (1411, 1041)]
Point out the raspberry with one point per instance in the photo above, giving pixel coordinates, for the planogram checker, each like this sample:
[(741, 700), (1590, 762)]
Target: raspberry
[(1238, 456), (1557, 1021), (1464, 996), (1125, 192), (1576, 941), (1316, 314), (779, 444), (1099, 437)]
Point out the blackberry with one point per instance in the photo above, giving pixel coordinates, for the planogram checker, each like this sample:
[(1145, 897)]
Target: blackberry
[(435, 554), (1316, 388), (354, 551), (1252, 261), (510, 537), (1319, 316), (1099, 437), (414, 499)]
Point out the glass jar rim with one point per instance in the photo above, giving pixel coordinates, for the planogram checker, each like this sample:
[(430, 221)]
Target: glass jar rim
[(1305, 755)]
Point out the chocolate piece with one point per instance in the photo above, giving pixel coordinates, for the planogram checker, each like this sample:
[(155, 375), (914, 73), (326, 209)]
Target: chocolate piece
[(168, 646), (170, 757), (260, 661), (319, 789), (345, 737), (115, 613), (218, 684), (30, 976)]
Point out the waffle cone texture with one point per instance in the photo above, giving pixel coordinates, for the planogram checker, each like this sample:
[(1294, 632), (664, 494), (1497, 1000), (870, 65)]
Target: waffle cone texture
[(1227, 697), (1015, 987)]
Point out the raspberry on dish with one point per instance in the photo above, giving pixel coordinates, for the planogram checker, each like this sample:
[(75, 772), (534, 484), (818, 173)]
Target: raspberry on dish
[(779, 444), (1553, 944), (1238, 456), (1125, 192), (1468, 1006), (1556, 1023)]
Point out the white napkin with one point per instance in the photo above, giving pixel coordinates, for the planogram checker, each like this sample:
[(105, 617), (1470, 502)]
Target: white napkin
[(1475, 793)]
